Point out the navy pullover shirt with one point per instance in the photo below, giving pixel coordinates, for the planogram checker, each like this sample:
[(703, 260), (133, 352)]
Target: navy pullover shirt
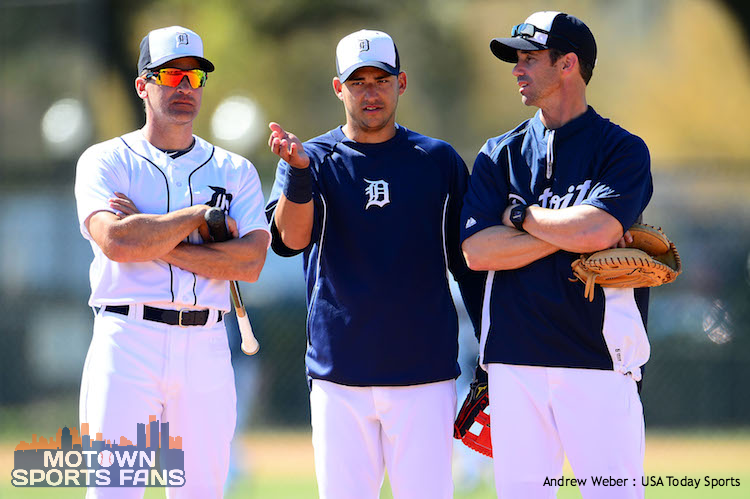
[(385, 234), (535, 315)]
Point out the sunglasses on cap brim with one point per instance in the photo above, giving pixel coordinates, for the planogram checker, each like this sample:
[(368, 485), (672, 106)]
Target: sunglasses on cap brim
[(530, 31)]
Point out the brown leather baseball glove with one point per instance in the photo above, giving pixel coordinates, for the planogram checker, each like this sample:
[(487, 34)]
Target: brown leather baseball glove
[(650, 260)]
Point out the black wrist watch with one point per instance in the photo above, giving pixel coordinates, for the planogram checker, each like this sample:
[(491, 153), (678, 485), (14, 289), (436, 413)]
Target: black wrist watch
[(518, 215)]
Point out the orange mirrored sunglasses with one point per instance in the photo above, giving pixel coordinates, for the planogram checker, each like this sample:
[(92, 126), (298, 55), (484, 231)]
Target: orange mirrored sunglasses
[(171, 77)]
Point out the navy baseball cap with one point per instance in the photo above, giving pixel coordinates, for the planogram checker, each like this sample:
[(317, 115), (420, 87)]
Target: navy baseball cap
[(547, 30), (167, 44), (366, 48)]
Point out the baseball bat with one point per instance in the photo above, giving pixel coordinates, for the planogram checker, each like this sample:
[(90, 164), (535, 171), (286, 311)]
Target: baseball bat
[(217, 227)]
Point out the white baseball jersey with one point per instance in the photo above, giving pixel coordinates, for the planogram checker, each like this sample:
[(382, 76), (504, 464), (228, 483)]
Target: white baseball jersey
[(159, 184)]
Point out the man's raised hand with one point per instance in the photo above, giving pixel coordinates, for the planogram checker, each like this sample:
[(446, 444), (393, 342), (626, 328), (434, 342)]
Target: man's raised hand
[(287, 146)]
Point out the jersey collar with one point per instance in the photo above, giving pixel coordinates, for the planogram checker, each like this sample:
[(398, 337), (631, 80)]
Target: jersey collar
[(199, 154), (568, 129), (340, 136)]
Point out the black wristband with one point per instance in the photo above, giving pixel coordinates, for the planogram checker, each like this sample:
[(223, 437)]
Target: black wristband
[(298, 186)]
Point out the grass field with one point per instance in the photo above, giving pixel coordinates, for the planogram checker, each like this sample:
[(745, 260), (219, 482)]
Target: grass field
[(279, 465)]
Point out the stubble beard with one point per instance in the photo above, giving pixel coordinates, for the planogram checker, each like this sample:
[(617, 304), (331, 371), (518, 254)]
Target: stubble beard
[(374, 123), (178, 115)]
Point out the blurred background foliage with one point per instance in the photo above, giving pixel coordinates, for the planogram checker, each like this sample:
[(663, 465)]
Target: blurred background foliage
[(675, 72)]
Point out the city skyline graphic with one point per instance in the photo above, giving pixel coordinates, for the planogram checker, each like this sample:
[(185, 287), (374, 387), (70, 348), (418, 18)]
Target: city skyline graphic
[(154, 450), (69, 439)]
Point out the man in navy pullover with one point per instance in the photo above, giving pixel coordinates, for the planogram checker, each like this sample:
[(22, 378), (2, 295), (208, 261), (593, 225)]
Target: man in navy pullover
[(374, 208), (562, 370)]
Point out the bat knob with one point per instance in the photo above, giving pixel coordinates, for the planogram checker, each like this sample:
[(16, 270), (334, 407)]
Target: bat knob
[(214, 215), (250, 347), (217, 226)]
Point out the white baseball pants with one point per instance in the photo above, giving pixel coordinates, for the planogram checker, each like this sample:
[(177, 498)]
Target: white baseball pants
[(541, 414), (137, 368), (358, 432)]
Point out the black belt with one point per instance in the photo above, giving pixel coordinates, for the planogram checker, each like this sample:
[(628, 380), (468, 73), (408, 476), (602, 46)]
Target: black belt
[(172, 317)]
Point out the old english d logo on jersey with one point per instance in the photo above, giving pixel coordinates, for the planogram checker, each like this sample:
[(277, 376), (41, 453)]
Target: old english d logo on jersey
[(378, 193), (220, 199)]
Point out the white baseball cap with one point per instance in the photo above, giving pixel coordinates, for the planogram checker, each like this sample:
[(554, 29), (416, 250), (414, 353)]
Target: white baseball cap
[(366, 48), (167, 44)]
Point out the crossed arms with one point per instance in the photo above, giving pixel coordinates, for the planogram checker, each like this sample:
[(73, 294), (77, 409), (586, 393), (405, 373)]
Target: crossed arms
[(578, 229), (132, 236)]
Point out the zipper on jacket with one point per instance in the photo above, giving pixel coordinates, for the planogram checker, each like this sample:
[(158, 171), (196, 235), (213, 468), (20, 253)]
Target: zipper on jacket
[(550, 152)]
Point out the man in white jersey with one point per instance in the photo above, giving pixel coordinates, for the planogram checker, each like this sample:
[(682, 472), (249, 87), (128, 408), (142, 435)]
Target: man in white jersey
[(160, 345)]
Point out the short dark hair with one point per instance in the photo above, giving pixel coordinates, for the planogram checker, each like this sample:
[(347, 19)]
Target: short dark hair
[(586, 68)]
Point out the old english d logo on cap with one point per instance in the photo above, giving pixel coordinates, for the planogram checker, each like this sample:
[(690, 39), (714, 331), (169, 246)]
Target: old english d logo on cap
[(167, 44), (366, 48)]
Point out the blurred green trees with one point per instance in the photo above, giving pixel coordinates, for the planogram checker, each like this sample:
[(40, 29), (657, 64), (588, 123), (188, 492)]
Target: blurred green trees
[(675, 72)]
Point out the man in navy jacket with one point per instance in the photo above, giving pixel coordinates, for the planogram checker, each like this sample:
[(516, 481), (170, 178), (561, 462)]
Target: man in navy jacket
[(562, 370)]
